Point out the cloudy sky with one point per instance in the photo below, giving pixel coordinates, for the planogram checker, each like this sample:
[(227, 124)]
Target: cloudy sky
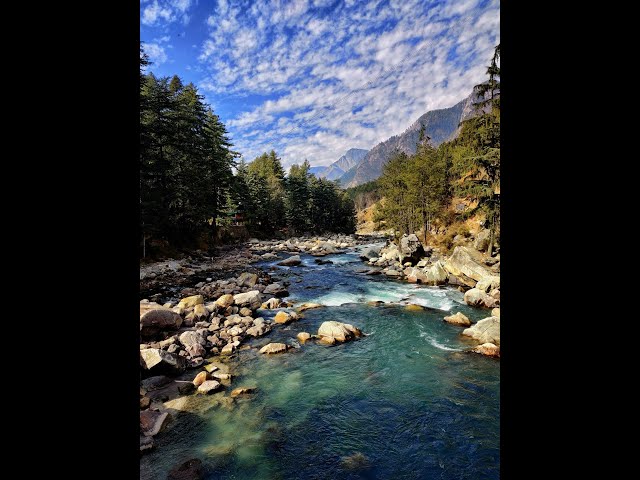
[(313, 78)]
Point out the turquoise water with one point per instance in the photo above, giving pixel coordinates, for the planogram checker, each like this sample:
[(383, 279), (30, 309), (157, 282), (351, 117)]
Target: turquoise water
[(405, 399)]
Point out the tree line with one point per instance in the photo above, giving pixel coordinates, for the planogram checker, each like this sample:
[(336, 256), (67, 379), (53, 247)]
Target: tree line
[(188, 187), (418, 189)]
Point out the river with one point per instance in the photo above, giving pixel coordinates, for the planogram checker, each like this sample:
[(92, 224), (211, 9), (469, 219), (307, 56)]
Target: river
[(403, 402)]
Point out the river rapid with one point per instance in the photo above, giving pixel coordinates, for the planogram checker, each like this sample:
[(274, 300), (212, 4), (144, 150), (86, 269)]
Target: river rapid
[(403, 402)]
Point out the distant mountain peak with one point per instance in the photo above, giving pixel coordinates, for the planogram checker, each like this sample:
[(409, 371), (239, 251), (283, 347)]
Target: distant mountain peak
[(351, 158)]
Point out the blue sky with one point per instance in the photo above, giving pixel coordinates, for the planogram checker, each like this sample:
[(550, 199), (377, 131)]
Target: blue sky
[(313, 78)]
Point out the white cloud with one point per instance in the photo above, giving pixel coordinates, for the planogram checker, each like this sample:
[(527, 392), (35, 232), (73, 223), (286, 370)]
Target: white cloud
[(156, 53), (163, 12), (389, 61)]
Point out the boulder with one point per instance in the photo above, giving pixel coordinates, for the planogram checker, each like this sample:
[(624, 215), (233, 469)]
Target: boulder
[(485, 331), (495, 312), (412, 307), (467, 264), (495, 293), (458, 319), (190, 302), (257, 330), (276, 290), (200, 379), (209, 386), (393, 273), (274, 348), (247, 279), (411, 250), (211, 367), (245, 312), (268, 256), (303, 337), (481, 242), (283, 317), (338, 331), (192, 338), (370, 252), (155, 383), (489, 283), (155, 320), (251, 299), (243, 391), (291, 261), (271, 304), (477, 298), (488, 349), (189, 470), (195, 351), (308, 306), (415, 275), (225, 300), (152, 422), (200, 312), (228, 349), (158, 361), (436, 274)]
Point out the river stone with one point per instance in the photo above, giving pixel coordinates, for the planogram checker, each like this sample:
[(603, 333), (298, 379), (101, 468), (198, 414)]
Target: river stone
[(411, 250), (393, 273), (270, 304), (247, 279), (200, 311), (225, 300), (436, 274), (467, 264), (283, 317), (228, 349), (243, 391), (488, 283), (209, 386), (257, 330), (159, 361), (412, 307), (189, 470), (274, 348), (488, 349), (152, 422), (245, 312), (192, 338), (458, 319), (303, 337), (192, 301), (477, 298), (495, 293), (211, 367), (251, 299), (154, 383), (156, 319), (200, 379), (371, 252), (308, 306), (339, 331), (196, 350), (495, 312), (291, 261), (485, 331), (276, 289)]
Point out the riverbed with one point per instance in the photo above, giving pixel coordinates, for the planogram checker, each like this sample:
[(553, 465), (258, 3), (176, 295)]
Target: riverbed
[(404, 402)]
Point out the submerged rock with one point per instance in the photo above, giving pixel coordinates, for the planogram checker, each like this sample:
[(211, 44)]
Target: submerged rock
[(274, 348), (332, 331), (458, 319), (189, 470), (485, 331), (146, 444), (412, 307), (243, 391), (355, 461)]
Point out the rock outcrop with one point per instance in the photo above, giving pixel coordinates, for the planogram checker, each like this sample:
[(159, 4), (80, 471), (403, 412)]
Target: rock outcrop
[(485, 331)]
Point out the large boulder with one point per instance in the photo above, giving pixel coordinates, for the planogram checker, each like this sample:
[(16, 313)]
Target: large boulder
[(488, 349), (338, 331), (158, 319), (285, 317), (389, 253), (160, 362), (436, 274), (291, 261), (276, 290), (209, 386), (411, 250), (274, 348), (308, 306), (152, 422), (251, 299), (225, 301), (303, 337), (481, 242), (458, 319), (190, 302), (192, 338), (415, 275), (370, 252), (477, 298), (247, 279), (489, 283), (467, 265), (485, 331)]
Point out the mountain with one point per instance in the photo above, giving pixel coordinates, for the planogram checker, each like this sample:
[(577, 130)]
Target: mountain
[(441, 125), (350, 159)]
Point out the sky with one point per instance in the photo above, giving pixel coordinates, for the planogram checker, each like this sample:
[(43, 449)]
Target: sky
[(314, 78)]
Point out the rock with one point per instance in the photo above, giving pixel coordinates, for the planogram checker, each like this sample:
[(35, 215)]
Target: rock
[(489, 283), (247, 279), (303, 337), (189, 470), (251, 299), (243, 391), (191, 301), (210, 367), (192, 338), (477, 298), (155, 320), (200, 311), (152, 422), (340, 332), (481, 242), (412, 307), (369, 253), (373, 272), (271, 304), (194, 351), (146, 443), (209, 386), (467, 265), (225, 300), (274, 348), (186, 388), (495, 312), (283, 317), (257, 331), (308, 306), (200, 379), (268, 256), (159, 361), (485, 331), (144, 402), (356, 461), (415, 275), (411, 250), (495, 294), (276, 289), (245, 312), (228, 349), (291, 261), (488, 349), (393, 273), (436, 274), (458, 319)]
